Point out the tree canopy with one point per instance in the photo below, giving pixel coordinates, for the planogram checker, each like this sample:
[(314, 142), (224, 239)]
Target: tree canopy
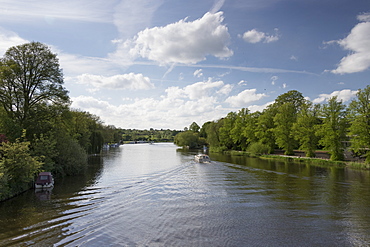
[(30, 77)]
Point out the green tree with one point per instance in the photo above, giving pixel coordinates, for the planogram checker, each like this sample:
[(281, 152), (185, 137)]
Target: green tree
[(264, 128), (194, 127), (334, 128), (17, 166), (250, 127), (284, 120), (304, 129), (188, 139), (359, 129), (239, 140), (29, 77), (225, 136)]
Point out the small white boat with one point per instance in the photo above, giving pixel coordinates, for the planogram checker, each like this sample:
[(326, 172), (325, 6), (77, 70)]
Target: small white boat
[(44, 180), (202, 158)]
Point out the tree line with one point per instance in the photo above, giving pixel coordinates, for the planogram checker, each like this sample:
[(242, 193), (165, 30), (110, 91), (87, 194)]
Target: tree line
[(291, 122), (38, 129)]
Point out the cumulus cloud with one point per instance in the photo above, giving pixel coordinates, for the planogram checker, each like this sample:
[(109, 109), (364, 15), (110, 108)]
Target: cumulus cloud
[(358, 43), (195, 91), (253, 36), (129, 81), (244, 98), (225, 89), (344, 95), (176, 107), (183, 42)]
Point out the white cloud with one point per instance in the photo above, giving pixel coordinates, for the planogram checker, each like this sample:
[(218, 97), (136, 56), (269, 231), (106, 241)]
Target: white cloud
[(226, 89), (79, 10), (242, 83), (292, 57), (125, 81), (274, 79), (244, 98), (9, 39), (172, 110), (198, 73), (254, 108), (284, 85), (344, 95), (183, 42), (253, 36), (194, 91), (358, 43)]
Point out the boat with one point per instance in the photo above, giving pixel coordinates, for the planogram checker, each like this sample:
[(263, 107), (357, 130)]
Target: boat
[(202, 158), (44, 180)]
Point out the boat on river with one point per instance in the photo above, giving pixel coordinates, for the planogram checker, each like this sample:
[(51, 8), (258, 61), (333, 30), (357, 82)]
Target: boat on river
[(44, 180), (202, 158)]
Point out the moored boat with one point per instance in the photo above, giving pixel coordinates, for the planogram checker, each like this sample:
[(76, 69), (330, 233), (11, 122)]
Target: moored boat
[(44, 180), (202, 158)]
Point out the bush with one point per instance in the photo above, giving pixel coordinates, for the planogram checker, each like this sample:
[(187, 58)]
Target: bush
[(258, 148)]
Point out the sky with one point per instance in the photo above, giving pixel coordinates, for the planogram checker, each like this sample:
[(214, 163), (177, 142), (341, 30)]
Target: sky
[(164, 64)]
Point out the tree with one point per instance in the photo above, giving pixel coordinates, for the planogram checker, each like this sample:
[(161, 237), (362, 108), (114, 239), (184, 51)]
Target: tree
[(194, 127), (30, 77), (287, 106), (225, 130), (188, 139), (359, 129), (333, 129), (17, 165), (304, 129), (240, 141), (250, 127), (284, 120), (264, 128)]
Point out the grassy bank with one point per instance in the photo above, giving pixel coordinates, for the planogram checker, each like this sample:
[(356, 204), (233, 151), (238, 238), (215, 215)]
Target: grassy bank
[(319, 162), (299, 159)]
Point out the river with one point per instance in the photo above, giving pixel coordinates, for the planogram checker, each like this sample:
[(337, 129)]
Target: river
[(156, 195)]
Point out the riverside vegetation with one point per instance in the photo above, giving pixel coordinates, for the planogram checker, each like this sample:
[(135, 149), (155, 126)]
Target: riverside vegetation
[(38, 129), (40, 132), (291, 123)]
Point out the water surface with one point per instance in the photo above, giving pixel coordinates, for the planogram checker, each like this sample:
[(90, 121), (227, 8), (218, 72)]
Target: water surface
[(156, 195)]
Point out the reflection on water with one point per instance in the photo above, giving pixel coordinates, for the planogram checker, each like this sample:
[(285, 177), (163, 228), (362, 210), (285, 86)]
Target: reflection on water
[(156, 195)]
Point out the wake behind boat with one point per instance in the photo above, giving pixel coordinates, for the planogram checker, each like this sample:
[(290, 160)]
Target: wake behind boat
[(202, 158)]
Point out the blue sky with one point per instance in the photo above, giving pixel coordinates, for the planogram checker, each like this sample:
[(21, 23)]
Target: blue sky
[(165, 64)]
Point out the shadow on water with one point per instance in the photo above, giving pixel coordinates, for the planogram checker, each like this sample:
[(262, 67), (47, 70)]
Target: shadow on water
[(25, 219), (156, 195)]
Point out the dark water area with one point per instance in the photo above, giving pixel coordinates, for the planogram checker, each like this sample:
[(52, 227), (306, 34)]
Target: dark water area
[(156, 195)]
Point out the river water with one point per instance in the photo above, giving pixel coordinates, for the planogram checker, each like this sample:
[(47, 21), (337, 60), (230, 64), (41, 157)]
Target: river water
[(156, 195)]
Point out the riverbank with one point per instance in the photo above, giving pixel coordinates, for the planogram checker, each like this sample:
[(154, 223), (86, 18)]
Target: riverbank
[(321, 159)]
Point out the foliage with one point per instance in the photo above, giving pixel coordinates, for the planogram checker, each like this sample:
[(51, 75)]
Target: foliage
[(189, 139), (211, 132), (30, 78), (284, 119), (17, 168), (359, 129), (194, 127), (72, 158), (225, 136), (258, 148), (333, 128), (264, 128), (304, 129)]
